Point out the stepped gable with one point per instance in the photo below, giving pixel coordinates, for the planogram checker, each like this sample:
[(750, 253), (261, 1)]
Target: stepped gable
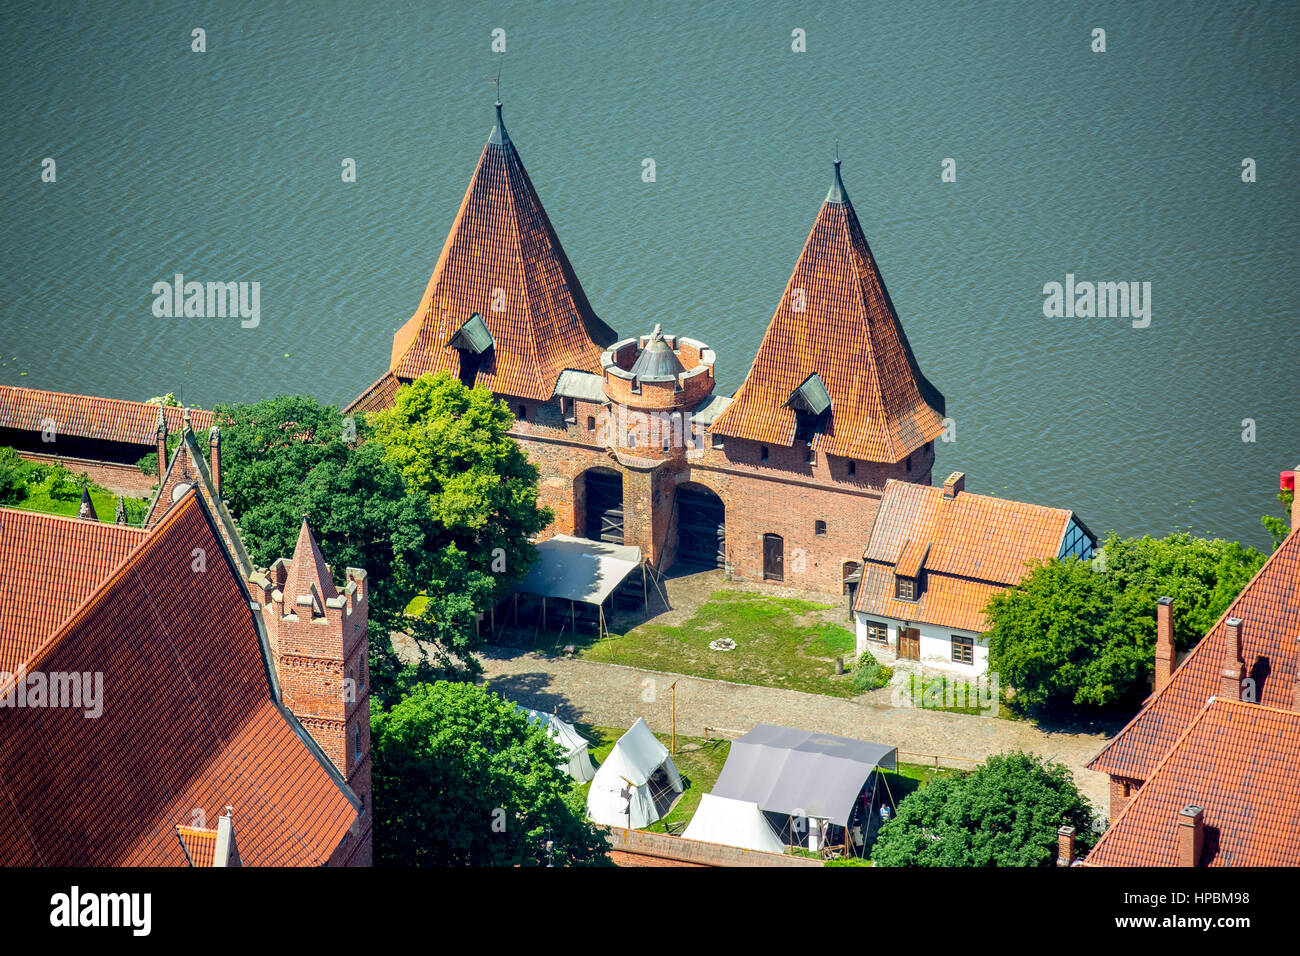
[(836, 321), (503, 262)]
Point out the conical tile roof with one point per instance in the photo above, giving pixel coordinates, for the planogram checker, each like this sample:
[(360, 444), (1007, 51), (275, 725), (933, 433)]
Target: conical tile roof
[(504, 261), (836, 320)]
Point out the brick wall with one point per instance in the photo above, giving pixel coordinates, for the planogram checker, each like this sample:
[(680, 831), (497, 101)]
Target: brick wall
[(1118, 797), (120, 479), (672, 850), (784, 494)]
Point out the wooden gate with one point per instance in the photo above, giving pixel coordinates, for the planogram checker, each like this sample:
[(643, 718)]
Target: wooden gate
[(604, 506), (701, 528)]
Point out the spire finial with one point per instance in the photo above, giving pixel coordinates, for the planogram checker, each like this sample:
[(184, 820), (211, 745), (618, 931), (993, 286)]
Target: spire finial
[(836, 193), (499, 135)]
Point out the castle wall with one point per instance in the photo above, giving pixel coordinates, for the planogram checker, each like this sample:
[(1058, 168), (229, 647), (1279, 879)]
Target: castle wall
[(785, 495)]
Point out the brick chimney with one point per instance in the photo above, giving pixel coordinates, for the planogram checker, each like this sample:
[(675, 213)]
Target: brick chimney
[(1166, 655), (1065, 846), (162, 447), (1233, 665), (954, 484), (214, 458), (1289, 484), (1191, 835)]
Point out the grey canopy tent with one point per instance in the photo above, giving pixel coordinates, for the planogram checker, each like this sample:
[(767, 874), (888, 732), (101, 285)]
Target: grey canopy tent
[(801, 773), (580, 571)]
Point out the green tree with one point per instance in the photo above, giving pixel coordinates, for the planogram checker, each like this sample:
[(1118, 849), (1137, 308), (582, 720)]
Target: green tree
[(286, 458), (291, 456), (1073, 634), (462, 778), (452, 444), (1006, 813), (1279, 528)]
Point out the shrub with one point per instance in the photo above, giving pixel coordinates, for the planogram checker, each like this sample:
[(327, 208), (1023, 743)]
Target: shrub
[(15, 473), (869, 673)]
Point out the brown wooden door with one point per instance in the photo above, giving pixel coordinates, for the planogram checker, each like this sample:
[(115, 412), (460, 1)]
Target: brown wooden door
[(909, 644), (773, 558)]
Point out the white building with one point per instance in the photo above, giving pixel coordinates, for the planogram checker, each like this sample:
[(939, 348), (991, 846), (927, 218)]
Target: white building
[(934, 558)]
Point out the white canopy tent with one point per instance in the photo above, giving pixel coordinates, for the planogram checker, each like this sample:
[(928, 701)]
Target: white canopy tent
[(637, 782), (730, 822), (577, 761), (579, 571)]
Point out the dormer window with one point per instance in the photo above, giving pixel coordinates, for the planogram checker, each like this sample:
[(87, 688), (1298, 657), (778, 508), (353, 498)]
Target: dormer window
[(473, 342), (904, 588), (812, 404)]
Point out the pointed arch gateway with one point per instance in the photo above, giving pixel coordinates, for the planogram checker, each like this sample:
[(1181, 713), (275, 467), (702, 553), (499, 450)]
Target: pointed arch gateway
[(701, 527), (599, 494)]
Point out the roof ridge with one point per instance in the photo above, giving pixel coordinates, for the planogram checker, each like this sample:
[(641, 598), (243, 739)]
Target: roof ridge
[(51, 516), (524, 285), (1173, 749)]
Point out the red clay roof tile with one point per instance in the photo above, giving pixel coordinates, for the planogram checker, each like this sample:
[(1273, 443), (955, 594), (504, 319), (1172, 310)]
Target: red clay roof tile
[(970, 547), (1235, 760), (1269, 608), (49, 565), (504, 261)]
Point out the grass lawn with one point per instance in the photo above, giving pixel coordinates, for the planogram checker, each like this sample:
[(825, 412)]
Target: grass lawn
[(780, 642), (105, 504)]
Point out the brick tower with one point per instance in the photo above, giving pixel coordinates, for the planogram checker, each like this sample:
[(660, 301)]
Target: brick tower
[(319, 641), (651, 385)]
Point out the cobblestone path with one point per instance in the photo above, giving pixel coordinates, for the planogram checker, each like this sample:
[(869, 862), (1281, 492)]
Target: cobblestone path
[(610, 695)]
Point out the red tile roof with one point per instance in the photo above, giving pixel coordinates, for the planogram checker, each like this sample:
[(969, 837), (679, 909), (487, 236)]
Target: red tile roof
[(502, 240), (1238, 762), (882, 407), (970, 548), (49, 564), (1269, 607), (377, 397), (87, 416), (188, 723), (200, 843)]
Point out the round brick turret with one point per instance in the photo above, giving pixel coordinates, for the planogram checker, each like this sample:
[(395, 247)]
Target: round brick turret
[(653, 384)]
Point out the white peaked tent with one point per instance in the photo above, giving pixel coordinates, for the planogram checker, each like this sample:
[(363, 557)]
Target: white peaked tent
[(635, 781), (733, 823), (577, 761)]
